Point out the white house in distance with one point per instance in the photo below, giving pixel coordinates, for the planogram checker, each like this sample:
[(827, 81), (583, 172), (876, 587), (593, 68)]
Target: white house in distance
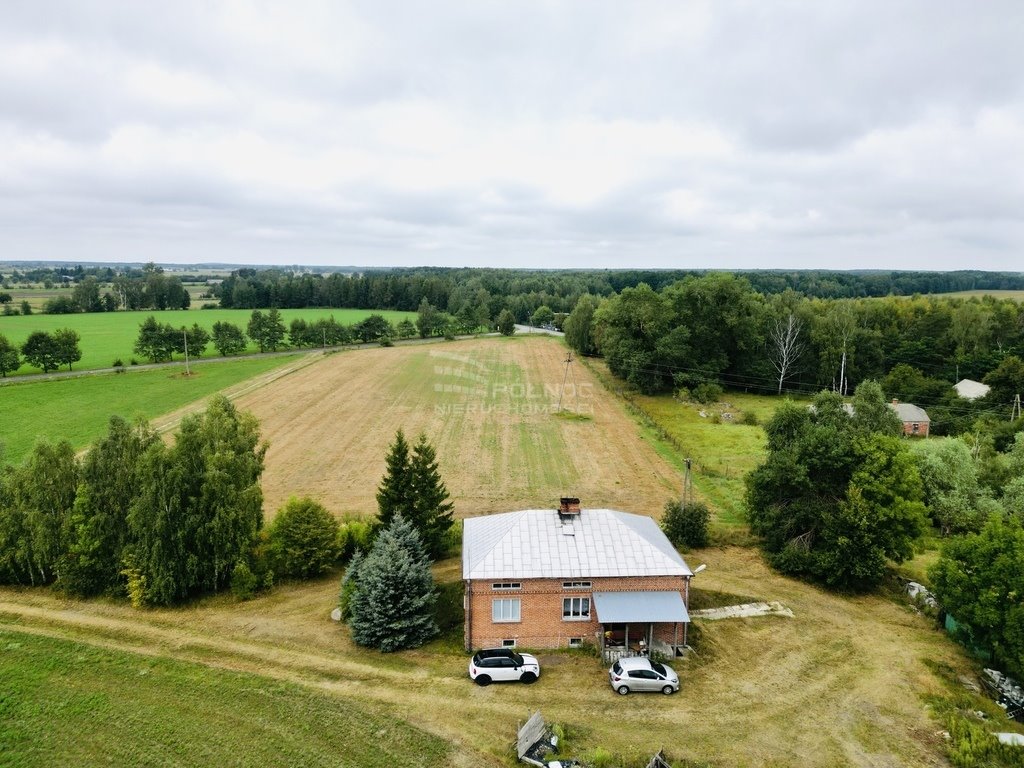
[(969, 389), (549, 578)]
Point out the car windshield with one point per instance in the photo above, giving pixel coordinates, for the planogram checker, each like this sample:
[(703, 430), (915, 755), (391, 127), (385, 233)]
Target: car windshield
[(660, 669), (517, 659)]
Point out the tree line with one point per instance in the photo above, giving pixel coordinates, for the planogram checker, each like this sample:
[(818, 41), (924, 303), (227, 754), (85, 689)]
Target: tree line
[(41, 349), (717, 329)]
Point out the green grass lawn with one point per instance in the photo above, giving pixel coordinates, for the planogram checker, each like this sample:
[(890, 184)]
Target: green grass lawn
[(78, 409), (108, 336), (723, 450), (65, 703)]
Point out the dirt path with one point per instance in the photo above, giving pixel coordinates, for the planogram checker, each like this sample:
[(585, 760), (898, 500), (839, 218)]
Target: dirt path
[(839, 684)]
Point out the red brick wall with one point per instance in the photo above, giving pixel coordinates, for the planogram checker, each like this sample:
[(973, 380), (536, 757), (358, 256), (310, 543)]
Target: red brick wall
[(922, 428), (541, 624)]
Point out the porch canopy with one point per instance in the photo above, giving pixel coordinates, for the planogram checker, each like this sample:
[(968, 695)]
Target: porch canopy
[(640, 607)]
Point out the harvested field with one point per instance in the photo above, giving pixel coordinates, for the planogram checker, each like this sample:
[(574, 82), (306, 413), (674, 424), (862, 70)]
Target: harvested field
[(488, 406)]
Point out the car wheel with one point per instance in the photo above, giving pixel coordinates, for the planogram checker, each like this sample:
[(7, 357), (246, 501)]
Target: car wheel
[(528, 677), (668, 690), (483, 679), (623, 690)]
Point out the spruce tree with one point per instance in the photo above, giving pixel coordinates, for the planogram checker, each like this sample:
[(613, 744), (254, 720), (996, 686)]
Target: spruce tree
[(394, 495), (393, 602), (431, 511)]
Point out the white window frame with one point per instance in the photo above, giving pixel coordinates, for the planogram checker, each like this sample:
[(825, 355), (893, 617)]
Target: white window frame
[(506, 586), (506, 610), (576, 585), (575, 610), (508, 643)]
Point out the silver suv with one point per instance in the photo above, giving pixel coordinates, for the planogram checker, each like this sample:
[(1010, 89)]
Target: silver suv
[(641, 674), (500, 664)]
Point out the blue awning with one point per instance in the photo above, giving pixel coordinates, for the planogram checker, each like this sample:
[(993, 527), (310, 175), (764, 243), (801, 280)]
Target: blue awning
[(640, 607)]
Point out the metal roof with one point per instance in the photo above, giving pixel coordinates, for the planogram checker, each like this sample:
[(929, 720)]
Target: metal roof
[(969, 389), (910, 412), (639, 607), (538, 543)]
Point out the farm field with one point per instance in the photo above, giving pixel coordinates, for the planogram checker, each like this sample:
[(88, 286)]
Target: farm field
[(1015, 295), (78, 409), (840, 684), (487, 405), (108, 336)]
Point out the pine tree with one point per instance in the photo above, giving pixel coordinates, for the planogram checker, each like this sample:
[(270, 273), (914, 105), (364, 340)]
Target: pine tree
[(394, 496), (431, 510), (393, 604)]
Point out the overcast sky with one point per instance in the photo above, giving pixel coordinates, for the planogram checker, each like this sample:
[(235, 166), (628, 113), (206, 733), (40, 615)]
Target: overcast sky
[(535, 134)]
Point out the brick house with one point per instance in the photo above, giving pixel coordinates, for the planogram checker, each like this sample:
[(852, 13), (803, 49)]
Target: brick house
[(549, 578), (915, 419)]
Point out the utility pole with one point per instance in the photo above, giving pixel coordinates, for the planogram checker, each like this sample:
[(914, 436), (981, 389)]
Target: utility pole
[(184, 335), (1015, 412), (687, 483), (568, 362)]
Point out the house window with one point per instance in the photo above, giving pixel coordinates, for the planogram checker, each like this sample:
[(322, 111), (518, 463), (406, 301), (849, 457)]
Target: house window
[(506, 586), (914, 428), (575, 642), (575, 608), (505, 609), (508, 643), (575, 585)]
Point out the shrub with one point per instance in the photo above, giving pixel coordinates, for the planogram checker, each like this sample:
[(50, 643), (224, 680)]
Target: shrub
[(243, 581), (708, 392), (686, 525), (354, 535), (119, 363), (750, 419), (303, 540), (133, 361)]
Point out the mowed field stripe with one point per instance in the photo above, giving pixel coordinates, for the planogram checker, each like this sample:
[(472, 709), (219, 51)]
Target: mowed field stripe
[(487, 405)]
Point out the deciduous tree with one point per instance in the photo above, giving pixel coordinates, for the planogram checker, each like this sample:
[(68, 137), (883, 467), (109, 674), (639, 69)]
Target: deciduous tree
[(228, 339), (199, 507), (40, 350), (68, 352), (10, 360), (979, 579), (302, 541)]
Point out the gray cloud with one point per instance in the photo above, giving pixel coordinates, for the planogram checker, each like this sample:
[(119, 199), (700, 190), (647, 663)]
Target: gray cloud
[(540, 134)]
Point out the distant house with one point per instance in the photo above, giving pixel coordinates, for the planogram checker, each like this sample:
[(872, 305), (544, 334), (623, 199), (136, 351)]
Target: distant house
[(915, 420), (969, 389), (549, 578)]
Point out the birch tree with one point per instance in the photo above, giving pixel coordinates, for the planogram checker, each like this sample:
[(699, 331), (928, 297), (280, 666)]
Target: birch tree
[(785, 346)]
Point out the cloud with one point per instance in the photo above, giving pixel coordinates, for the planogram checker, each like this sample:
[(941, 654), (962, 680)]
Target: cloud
[(542, 133)]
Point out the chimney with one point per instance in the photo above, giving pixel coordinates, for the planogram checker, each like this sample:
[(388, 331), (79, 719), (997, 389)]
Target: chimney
[(569, 506)]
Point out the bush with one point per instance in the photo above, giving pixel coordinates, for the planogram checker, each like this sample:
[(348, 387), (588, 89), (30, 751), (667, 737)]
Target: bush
[(119, 363), (708, 392), (686, 525), (354, 535), (750, 419), (243, 581), (303, 540)]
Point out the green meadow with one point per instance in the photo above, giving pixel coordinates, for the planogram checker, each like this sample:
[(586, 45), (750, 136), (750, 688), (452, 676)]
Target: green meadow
[(67, 703), (110, 336), (78, 409)]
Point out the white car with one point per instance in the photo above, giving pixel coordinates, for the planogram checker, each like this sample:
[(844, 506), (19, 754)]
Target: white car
[(641, 674), (493, 665)]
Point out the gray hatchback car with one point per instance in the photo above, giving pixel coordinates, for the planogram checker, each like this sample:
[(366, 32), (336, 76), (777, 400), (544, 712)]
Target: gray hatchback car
[(641, 674)]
